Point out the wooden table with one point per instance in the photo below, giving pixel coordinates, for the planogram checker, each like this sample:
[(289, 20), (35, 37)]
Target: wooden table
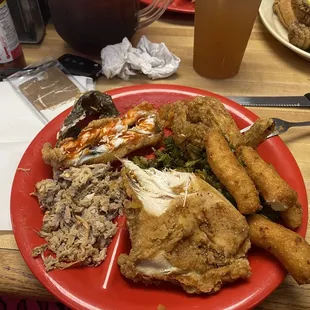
[(268, 68)]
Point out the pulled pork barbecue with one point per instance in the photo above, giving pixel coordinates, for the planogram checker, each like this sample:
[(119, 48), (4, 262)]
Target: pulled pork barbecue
[(80, 205)]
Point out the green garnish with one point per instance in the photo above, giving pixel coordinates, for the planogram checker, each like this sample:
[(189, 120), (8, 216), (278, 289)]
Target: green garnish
[(172, 157)]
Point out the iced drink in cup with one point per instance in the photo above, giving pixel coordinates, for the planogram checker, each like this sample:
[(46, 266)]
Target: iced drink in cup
[(222, 31)]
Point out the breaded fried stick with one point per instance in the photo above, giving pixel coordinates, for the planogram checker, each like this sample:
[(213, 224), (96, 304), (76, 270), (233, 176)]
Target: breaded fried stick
[(274, 190), (292, 217), (230, 172), (259, 132), (287, 246)]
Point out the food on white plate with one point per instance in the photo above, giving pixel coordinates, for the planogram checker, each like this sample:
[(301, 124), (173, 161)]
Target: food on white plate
[(79, 207), (295, 17), (301, 9), (283, 9), (182, 230), (231, 173), (273, 189), (288, 247), (107, 139)]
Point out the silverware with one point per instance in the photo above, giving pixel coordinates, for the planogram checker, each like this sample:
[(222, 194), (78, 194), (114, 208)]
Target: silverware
[(281, 126), (282, 101)]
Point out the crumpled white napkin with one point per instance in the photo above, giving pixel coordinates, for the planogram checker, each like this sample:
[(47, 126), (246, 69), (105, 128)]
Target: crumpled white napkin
[(152, 59)]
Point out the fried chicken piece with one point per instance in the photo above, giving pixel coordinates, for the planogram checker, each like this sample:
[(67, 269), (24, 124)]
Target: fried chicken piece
[(301, 9), (211, 112), (288, 247), (230, 172), (188, 136), (167, 113), (188, 120), (183, 231), (274, 190), (292, 217), (259, 132), (105, 140), (299, 35)]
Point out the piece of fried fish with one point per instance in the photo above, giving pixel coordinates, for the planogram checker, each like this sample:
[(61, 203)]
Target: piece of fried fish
[(107, 139), (183, 231)]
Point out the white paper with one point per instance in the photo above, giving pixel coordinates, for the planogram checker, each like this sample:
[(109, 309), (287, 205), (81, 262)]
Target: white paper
[(152, 59), (19, 124), (10, 155)]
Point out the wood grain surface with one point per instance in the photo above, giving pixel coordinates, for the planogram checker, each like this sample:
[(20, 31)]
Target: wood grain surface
[(268, 68)]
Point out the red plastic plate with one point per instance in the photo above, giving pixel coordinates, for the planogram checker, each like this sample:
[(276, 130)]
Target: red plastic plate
[(181, 6), (104, 287)]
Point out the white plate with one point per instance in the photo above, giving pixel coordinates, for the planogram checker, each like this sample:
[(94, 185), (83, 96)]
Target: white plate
[(274, 26)]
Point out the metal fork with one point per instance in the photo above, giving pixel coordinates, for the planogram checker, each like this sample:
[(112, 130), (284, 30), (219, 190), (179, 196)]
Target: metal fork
[(281, 126)]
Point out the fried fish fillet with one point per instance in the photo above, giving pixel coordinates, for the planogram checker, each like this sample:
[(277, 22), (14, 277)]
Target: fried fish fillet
[(288, 247), (104, 140), (182, 231), (231, 173), (274, 190)]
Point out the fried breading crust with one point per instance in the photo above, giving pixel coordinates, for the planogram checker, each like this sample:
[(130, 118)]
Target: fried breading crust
[(214, 110), (230, 173), (259, 132), (167, 113), (99, 133), (200, 245), (274, 190), (299, 35), (287, 246), (188, 136), (203, 110), (57, 159), (284, 10), (302, 11), (292, 217)]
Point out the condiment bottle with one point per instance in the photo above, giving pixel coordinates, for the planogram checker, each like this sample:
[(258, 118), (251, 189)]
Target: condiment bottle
[(11, 54)]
